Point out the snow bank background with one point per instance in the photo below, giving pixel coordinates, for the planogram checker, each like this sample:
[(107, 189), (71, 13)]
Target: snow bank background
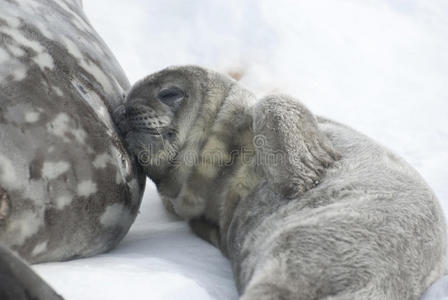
[(379, 66)]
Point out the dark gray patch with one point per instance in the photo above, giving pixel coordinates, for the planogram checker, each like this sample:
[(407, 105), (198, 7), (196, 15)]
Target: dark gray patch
[(4, 206), (35, 167)]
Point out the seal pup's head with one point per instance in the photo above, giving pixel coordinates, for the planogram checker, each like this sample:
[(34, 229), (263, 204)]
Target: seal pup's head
[(161, 110)]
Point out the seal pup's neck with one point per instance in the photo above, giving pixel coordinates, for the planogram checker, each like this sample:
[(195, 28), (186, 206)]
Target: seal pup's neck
[(218, 137)]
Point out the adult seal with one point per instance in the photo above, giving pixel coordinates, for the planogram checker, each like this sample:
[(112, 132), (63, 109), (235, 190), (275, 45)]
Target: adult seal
[(304, 207), (68, 188)]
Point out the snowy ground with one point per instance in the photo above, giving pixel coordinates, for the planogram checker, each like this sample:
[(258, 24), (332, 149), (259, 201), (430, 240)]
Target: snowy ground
[(379, 66)]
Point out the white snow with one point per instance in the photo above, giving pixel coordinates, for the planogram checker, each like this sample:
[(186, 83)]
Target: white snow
[(378, 66)]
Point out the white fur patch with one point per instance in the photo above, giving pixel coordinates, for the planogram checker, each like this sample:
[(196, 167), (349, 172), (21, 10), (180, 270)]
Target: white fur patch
[(16, 51), (4, 56), (40, 248), (11, 20), (32, 116), (21, 39), (86, 188), (73, 49), (101, 160), (9, 65), (8, 176), (44, 29), (23, 226), (19, 72), (63, 201), (52, 170), (58, 91), (41, 58), (98, 74), (44, 61), (60, 127), (115, 214)]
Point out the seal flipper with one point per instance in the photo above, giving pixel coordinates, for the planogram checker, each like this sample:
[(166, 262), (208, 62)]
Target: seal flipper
[(19, 282), (206, 231), (291, 150)]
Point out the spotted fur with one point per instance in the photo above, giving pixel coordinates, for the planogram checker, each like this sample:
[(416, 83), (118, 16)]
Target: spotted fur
[(63, 168)]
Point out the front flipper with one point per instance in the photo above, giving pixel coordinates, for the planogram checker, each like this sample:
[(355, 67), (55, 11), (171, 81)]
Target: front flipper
[(206, 231), (291, 150)]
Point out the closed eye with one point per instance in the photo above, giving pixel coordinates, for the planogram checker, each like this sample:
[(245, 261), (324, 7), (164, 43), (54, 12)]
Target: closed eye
[(171, 96)]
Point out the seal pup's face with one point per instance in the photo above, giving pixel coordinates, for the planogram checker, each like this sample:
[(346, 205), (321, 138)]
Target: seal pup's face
[(158, 112)]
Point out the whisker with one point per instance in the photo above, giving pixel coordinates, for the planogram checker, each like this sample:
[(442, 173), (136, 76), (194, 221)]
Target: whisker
[(161, 136)]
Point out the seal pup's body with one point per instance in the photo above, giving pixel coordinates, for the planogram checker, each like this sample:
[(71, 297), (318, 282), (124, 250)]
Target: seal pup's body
[(305, 208)]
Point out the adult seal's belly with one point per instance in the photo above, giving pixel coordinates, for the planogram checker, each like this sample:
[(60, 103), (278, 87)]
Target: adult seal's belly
[(68, 188)]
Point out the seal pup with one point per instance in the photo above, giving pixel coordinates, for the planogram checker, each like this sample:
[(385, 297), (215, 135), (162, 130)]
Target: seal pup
[(304, 207)]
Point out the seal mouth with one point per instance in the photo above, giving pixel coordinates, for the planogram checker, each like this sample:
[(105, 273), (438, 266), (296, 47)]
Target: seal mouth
[(165, 133), (155, 131), (138, 119), (151, 131)]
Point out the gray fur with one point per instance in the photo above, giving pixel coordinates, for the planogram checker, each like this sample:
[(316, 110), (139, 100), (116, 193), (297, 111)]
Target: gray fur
[(68, 187), (19, 282), (333, 216)]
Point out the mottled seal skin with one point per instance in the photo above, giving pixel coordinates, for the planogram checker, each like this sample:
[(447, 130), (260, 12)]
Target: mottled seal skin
[(304, 207), (68, 187), (19, 282)]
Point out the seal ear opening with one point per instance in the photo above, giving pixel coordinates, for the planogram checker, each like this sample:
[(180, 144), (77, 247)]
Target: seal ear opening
[(171, 96)]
